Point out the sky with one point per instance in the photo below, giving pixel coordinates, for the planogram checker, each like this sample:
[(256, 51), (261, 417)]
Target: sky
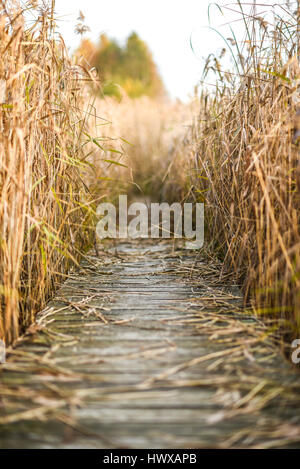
[(169, 27)]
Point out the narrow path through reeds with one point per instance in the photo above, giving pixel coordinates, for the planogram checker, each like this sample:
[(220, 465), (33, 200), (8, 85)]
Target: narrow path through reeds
[(145, 347)]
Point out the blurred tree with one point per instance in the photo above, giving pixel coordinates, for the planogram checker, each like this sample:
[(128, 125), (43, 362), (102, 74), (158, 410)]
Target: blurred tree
[(131, 67)]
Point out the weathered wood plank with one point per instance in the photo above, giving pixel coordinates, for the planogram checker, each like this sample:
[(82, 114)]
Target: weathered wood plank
[(149, 350)]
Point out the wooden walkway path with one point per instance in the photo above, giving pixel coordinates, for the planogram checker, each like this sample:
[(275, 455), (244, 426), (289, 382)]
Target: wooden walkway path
[(143, 347)]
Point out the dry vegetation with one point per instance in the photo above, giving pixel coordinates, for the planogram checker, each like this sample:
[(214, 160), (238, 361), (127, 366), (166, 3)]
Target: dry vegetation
[(239, 155), (246, 149), (43, 201), (252, 181), (149, 137)]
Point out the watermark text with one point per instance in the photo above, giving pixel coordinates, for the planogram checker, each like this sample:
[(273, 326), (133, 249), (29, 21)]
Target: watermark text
[(157, 221)]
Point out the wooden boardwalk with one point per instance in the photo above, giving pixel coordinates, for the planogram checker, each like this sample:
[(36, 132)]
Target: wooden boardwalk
[(144, 347)]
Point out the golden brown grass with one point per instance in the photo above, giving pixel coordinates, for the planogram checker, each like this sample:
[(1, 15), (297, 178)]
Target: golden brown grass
[(149, 136), (246, 153), (247, 158), (239, 155), (42, 195)]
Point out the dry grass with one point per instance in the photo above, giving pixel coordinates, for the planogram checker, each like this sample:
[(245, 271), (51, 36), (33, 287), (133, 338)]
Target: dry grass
[(247, 162), (42, 219), (239, 156)]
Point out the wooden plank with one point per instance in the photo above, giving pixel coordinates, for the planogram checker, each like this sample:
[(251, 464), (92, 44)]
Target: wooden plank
[(147, 351)]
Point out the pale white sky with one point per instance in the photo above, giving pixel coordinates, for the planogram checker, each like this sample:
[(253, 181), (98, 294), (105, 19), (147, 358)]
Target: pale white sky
[(166, 25)]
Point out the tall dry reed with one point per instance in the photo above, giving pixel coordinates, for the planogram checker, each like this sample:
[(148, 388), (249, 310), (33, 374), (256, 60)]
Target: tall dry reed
[(147, 136), (246, 160), (44, 204)]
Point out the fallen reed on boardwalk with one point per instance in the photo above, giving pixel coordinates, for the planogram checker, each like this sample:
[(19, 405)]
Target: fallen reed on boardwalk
[(43, 200)]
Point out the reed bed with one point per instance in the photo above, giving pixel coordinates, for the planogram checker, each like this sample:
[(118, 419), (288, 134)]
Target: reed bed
[(148, 136), (44, 203), (237, 149)]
